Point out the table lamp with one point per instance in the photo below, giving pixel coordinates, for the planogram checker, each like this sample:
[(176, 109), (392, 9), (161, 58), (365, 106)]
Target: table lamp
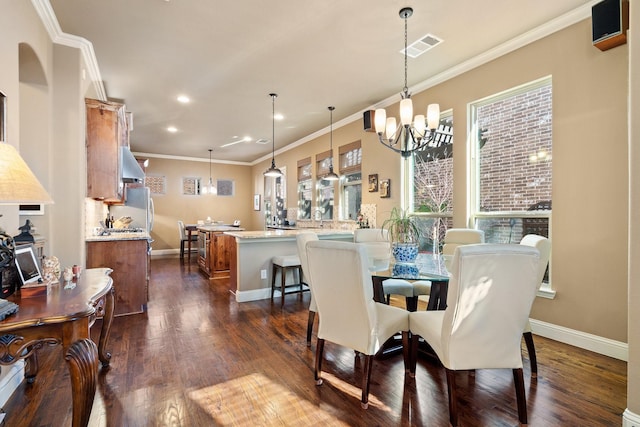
[(17, 185)]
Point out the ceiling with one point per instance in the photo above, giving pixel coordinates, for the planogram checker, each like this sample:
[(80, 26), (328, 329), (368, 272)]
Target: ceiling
[(228, 55)]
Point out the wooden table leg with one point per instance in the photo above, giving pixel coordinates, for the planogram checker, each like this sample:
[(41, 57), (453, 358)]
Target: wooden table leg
[(107, 319), (82, 357), (189, 246)]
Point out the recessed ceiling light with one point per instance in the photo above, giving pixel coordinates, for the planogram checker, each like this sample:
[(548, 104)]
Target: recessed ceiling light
[(183, 99), (172, 129), (278, 116)]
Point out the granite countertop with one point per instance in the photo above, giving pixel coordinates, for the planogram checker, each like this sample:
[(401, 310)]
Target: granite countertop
[(119, 236), (219, 228), (290, 234)]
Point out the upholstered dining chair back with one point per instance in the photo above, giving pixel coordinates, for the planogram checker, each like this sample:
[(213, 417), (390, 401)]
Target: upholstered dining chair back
[(455, 237), (301, 240), (543, 245), (377, 245), (343, 290), (361, 235), (182, 230), (491, 290)]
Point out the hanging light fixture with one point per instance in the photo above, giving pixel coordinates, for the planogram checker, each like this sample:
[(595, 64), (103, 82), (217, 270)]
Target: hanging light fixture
[(331, 176), (273, 171), (406, 137), (210, 189)]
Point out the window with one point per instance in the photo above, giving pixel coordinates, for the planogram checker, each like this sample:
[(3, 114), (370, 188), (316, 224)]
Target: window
[(350, 156), (511, 161), (305, 188), (324, 189), (430, 193)]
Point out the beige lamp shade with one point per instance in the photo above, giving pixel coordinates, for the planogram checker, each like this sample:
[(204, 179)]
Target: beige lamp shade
[(18, 184)]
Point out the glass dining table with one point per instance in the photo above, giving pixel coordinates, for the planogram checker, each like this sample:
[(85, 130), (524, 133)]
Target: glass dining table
[(428, 266)]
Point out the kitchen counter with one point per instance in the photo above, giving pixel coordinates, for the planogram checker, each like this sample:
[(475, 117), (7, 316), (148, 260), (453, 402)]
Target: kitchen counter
[(119, 236), (218, 228), (251, 269)]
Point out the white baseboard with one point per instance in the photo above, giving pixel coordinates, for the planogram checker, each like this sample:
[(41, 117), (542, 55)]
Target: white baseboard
[(253, 295), (629, 419), (164, 252), (605, 346)]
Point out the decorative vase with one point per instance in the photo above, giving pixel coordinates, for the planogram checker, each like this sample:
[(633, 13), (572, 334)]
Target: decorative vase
[(405, 255), (51, 269)]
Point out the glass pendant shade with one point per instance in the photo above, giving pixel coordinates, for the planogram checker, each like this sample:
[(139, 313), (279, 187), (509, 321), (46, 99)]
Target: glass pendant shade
[(406, 111)]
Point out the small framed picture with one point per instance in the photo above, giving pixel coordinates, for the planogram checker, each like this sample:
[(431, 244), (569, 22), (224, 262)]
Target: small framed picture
[(27, 265), (256, 202), (373, 183), (385, 188)]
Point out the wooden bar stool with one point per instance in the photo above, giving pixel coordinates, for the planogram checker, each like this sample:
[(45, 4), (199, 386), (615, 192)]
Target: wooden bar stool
[(282, 263)]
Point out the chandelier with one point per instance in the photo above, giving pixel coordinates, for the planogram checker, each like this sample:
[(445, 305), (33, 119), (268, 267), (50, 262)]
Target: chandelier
[(331, 176), (273, 171), (407, 137), (210, 188)]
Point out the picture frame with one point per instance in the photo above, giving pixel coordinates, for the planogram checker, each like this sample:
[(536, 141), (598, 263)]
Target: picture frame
[(373, 183), (385, 188), (27, 265), (256, 202)]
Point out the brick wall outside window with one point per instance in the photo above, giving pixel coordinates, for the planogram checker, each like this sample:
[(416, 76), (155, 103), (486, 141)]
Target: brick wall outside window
[(515, 162)]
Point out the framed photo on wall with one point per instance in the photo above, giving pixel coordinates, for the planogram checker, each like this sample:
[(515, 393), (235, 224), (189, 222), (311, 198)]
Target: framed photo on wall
[(385, 188), (373, 183)]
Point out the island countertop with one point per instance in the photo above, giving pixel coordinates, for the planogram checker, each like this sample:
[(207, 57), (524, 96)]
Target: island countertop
[(271, 235), (218, 228), (119, 236)]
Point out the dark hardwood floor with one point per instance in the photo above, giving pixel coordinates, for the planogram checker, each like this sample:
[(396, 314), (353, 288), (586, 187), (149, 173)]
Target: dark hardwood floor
[(198, 358)]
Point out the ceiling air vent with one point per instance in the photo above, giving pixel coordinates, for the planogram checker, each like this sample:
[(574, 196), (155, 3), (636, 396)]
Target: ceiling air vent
[(263, 141), (422, 45)]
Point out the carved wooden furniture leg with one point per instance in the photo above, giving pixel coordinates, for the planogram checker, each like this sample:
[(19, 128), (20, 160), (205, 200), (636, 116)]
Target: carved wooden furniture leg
[(31, 366), (82, 357), (107, 319)]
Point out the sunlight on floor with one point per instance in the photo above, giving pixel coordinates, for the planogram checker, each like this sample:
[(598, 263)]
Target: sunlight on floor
[(256, 400)]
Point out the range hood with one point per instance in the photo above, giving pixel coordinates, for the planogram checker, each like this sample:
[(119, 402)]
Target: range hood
[(131, 170)]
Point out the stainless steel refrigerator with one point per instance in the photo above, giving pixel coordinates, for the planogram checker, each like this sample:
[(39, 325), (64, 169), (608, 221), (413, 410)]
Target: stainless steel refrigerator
[(138, 206)]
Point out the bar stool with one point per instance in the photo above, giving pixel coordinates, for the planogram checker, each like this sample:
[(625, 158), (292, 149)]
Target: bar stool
[(283, 263)]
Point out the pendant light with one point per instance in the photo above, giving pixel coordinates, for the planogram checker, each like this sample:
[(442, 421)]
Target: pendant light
[(331, 176), (273, 171), (210, 189)]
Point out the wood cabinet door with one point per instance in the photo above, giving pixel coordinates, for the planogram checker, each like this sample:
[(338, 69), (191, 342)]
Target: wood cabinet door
[(106, 129), (128, 260)]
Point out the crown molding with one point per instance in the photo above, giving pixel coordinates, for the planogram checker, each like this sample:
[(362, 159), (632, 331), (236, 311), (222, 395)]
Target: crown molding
[(189, 159), (48, 17)]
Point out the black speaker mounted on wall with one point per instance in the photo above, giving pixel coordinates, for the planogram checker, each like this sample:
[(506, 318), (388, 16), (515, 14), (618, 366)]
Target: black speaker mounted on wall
[(609, 23), (368, 121)]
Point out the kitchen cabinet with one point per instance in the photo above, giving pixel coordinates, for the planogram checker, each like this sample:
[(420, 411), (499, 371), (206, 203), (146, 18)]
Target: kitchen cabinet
[(106, 132), (214, 253), (129, 261)]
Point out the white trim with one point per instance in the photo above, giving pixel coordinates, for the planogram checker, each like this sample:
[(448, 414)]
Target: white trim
[(253, 295), (191, 159), (630, 419), (616, 349), (50, 22), (546, 291)]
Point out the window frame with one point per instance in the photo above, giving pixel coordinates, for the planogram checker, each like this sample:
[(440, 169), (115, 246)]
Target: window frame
[(475, 214)]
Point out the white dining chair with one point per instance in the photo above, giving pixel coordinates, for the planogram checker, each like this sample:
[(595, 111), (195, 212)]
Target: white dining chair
[(348, 315), (543, 245), (302, 239), (491, 290), (455, 237)]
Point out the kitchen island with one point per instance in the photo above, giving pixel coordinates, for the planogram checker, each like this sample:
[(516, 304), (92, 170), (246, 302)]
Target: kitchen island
[(250, 264), (214, 250)]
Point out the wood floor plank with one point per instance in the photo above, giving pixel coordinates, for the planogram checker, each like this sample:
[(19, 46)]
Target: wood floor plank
[(198, 358)]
